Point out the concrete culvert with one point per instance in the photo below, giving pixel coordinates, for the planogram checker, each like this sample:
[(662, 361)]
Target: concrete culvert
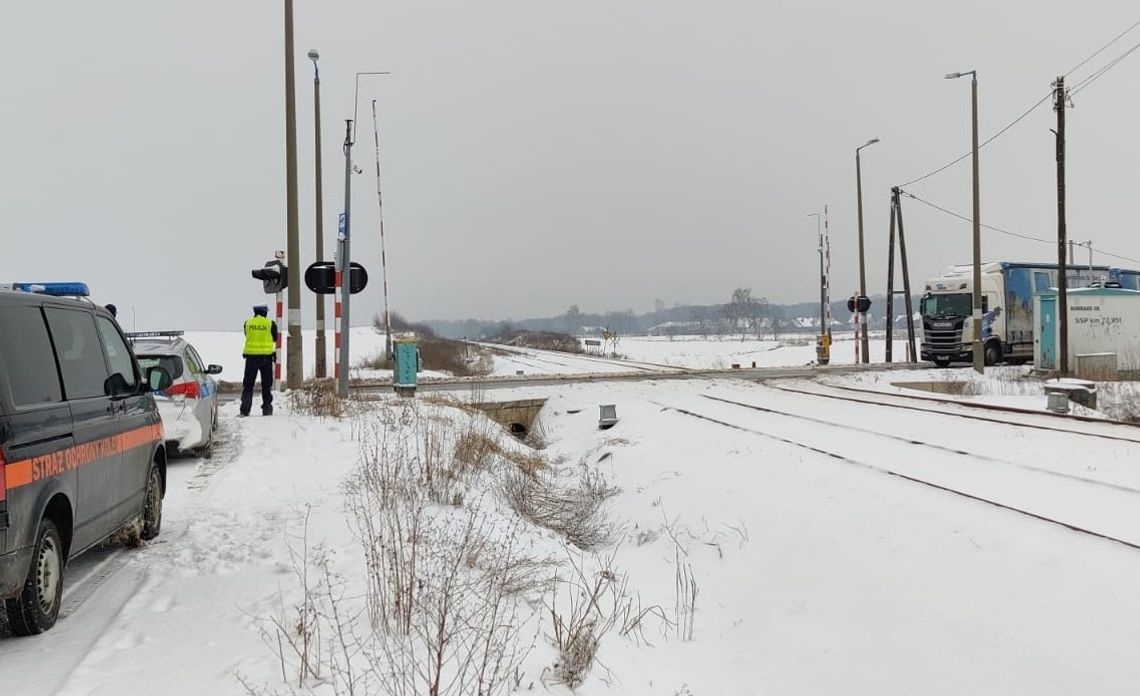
[(518, 430)]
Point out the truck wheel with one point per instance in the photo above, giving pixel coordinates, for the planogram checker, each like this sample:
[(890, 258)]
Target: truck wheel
[(993, 353), (152, 506), (37, 607)]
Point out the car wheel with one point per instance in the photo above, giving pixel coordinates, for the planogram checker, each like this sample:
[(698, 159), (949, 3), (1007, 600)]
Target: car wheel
[(214, 419), (152, 506), (37, 607), (207, 450)]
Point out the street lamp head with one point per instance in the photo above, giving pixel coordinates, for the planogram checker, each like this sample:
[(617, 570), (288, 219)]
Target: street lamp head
[(953, 75), (313, 55), (872, 141)]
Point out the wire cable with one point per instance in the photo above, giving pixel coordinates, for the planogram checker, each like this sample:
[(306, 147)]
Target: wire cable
[(998, 229), (1103, 48), (1007, 232), (966, 219), (1080, 86), (989, 140), (1087, 81)]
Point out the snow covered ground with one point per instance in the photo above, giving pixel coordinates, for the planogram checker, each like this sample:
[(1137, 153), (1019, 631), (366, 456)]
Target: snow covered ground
[(822, 557), (721, 352), (653, 354)]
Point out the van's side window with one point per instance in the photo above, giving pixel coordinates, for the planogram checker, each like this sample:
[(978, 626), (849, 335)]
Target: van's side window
[(122, 366), (27, 357), (80, 357)]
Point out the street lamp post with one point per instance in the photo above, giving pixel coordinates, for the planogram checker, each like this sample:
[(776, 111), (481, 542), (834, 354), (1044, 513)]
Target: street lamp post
[(294, 358), (864, 342), (322, 347), (979, 354)]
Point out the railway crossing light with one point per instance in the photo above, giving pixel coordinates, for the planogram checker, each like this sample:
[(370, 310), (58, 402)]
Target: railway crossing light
[(274, 276)]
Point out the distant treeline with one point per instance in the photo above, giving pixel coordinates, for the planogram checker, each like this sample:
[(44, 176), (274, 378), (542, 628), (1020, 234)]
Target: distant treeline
[(679, 319)]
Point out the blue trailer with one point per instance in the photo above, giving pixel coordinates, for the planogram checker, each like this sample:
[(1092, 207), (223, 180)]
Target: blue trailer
[(1007, 289)]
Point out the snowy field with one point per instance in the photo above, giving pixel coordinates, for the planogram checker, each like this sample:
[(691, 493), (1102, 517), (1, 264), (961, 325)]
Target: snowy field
[(694, 352), (721, 352), (737, 552)]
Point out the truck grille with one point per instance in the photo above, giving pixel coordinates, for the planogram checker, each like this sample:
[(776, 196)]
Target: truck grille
[(942, 335)]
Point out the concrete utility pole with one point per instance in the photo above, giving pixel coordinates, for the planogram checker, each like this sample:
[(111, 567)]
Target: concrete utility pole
[(343, 266), (979, 354), (863, 341), (294, 361), (1062, 269), (322, 346), (344, 256), (823, 348)]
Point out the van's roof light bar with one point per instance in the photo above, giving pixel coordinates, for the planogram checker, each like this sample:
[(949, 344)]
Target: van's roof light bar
[(154, 334), (53, 289)]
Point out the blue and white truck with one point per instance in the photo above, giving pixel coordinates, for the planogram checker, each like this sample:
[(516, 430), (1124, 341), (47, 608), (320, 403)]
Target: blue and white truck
[(1009, 287)]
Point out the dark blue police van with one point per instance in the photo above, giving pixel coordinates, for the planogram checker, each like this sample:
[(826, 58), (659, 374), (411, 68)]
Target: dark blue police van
[(82, 455)]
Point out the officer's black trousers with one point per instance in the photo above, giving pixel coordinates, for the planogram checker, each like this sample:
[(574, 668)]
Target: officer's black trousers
[(255, 365)]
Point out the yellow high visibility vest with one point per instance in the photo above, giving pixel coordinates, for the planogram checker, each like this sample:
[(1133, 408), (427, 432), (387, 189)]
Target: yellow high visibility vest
[(259, 336)]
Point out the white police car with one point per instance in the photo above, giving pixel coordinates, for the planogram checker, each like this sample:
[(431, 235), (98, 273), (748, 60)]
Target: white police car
[(189, 407)]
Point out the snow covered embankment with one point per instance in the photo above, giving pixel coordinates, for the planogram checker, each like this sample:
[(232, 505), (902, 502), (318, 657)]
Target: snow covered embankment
[(471, 568)]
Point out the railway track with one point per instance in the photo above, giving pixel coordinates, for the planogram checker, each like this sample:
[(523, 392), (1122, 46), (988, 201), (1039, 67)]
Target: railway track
[(556, 358), (1089, 506), (1122, 429)]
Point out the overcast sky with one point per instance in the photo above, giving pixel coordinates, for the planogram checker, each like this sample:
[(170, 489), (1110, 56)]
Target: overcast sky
[(539, 154)]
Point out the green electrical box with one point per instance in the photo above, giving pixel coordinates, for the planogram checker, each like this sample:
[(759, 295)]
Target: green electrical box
[(407, 365)]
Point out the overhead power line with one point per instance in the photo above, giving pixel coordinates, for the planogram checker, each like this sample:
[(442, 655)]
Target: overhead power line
[(966, 219), (1076, 88), (1103, 48), (1007, 232), (989, 140), (1080, 86)]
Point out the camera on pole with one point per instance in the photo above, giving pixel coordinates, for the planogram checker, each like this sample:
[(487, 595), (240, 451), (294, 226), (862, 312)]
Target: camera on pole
[(274, 276)]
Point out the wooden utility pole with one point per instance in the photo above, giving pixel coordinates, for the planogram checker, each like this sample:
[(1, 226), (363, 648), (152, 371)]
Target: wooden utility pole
[(897, 222), (1062, 268), (891, 286), (913, 357)]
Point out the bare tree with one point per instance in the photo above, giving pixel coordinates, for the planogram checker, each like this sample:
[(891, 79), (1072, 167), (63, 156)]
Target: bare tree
[(742, 311), (777, 318)]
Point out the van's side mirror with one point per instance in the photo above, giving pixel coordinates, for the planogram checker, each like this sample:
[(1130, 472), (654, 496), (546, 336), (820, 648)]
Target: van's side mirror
[(116, 385), (214, 369), (158, 379)]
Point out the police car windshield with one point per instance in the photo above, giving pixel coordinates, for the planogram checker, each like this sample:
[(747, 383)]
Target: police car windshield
[(950, 305), (171, 363)]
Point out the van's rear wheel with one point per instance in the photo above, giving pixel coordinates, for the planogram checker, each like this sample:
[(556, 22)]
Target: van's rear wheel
[(37, 607), (152, 507)]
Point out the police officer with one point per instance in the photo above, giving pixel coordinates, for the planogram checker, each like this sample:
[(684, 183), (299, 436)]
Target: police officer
[(260, 353)]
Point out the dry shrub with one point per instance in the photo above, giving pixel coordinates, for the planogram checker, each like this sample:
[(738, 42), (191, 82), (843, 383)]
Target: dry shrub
[(574, 512), (598, 601), (317, 398), (476, 449), (529, 463), (443, 355), (543, 340)]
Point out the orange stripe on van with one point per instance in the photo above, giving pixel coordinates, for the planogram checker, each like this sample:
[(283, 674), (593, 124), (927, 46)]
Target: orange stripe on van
[(27, 471)]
